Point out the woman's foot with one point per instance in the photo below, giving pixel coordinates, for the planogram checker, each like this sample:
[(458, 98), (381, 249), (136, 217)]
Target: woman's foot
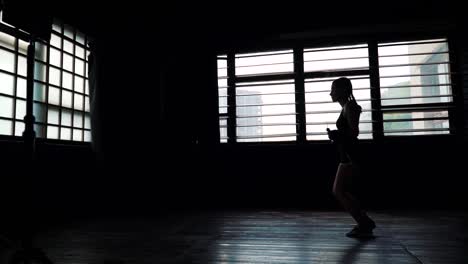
[(368, 225), (358, 232), (362, 231)]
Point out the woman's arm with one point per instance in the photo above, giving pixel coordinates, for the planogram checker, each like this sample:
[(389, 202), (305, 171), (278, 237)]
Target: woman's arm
[(352, 114)]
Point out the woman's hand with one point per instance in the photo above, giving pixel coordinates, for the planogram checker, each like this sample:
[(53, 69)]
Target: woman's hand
[(333, 134)]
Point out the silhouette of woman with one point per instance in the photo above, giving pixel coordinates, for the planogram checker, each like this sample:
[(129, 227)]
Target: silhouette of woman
[(346, 141)]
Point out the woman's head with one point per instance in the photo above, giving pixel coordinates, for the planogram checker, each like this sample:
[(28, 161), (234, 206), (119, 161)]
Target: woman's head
[(341, 89)]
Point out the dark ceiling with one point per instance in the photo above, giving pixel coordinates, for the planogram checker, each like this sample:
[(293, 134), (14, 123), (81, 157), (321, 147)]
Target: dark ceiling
[(234, 18)]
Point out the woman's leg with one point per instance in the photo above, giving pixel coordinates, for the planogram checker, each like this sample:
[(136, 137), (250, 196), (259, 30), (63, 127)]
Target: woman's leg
[(348, 201)]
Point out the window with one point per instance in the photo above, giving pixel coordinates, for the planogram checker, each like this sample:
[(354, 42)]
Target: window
[(12, 84), (222, 95), (321, 112), (61, 93), (415, 87), (64, 110), (264, 91), (404, 89)]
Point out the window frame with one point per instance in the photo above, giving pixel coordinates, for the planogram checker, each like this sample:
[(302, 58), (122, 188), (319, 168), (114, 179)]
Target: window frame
[(454, 107), (17, 35), (24, 36)]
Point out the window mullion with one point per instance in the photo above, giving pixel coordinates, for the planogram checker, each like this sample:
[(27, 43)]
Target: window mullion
[(377, 116), (300, 94), (15, 84), (231, 92)]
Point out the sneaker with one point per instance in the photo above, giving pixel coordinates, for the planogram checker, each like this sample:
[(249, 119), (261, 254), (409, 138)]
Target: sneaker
[(369, 226), (361, 232)]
